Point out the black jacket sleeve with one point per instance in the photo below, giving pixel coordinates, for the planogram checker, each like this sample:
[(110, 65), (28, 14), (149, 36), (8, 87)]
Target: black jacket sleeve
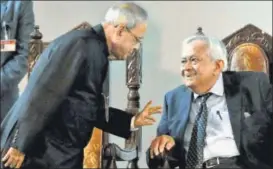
[(118, 123)]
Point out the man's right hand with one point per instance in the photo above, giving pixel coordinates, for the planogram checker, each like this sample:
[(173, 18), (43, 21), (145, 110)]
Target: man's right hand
[(13, 158), (160, 143)]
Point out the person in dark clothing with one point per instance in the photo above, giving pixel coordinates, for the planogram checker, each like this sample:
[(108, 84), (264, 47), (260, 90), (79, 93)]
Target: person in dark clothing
[(53, 120)]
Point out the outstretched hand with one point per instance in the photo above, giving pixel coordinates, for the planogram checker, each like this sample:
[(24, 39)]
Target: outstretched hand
[(144, 118)]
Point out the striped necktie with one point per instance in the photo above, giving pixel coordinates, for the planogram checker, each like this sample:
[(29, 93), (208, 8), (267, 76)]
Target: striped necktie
[(197, 142)]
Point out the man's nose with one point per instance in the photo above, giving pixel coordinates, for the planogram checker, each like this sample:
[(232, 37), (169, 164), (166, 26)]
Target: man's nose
[(187, 65)]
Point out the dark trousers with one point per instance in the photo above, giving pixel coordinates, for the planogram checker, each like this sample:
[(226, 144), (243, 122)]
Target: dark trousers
[(164, 164), (171, 161), (232, 163)]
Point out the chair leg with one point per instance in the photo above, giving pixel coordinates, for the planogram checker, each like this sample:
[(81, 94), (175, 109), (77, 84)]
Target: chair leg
[(133, 164)]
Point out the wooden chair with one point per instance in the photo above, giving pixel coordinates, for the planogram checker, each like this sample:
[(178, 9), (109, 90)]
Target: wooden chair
[(99, 153), (250, 49)]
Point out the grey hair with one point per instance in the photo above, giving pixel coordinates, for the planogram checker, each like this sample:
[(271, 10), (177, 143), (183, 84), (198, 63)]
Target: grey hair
[(217, 49), (127, 13)]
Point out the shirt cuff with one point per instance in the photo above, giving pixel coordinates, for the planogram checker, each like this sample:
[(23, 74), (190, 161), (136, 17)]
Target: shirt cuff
[(132, 124)]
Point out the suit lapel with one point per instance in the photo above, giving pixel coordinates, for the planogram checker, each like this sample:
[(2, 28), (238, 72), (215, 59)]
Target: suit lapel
[(184, 108), (234, 104)]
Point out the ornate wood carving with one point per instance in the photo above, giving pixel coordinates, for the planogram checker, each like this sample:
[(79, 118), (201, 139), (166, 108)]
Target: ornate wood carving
[(113, 152), (133, 81), (200, 31), (251, 42), (35, 48)]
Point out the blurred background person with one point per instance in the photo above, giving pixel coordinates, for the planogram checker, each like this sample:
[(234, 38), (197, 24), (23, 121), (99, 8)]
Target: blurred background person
[(17, 22)]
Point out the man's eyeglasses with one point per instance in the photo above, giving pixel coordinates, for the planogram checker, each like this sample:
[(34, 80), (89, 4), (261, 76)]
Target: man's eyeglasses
[(138, 40)]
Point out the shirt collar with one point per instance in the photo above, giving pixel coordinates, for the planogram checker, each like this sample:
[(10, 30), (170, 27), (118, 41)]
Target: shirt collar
[(217, 88), (99, 31)]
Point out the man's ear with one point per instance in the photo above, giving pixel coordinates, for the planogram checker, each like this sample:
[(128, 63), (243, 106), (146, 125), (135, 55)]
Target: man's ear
[(219, 65), (120, 28)]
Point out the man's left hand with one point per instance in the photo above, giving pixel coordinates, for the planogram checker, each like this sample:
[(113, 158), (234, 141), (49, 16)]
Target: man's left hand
[(145, 118), (13, 158)]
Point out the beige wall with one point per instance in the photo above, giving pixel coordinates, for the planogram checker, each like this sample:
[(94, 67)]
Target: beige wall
[(169, 23)]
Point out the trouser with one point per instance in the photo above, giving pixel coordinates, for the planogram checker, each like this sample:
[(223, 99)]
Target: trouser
[(231, 162), (171, 160)]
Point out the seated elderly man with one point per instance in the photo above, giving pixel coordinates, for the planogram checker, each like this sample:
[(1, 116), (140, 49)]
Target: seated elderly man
[(216, 119)]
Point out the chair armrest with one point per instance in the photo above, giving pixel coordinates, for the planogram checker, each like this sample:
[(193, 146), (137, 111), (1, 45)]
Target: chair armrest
[(170, 160)]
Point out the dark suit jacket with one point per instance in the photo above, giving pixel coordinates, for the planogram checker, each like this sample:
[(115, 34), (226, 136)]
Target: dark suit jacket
[(19, 19), (63, 102), (245, 92)]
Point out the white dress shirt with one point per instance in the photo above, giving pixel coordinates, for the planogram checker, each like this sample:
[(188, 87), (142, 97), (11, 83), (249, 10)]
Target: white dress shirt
[(219, 140), (132, 126)]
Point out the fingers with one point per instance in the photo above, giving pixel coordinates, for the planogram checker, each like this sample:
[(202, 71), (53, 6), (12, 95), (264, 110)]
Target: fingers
[(170, 145), (144, 118), (150, 119), (13, 158), (20, 162), (154, 148), (155, 110), (5, 158), (146, 107), (151, 110), (159, 145), (10, 162), (151, 153), (162, 145)]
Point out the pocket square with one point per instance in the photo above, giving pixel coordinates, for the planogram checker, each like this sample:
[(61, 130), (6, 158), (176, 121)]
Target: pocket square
[(246, 114)]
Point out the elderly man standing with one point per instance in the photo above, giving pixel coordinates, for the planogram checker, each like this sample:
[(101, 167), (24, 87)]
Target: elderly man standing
[(17, 22), (216, 119), (63, 100)]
